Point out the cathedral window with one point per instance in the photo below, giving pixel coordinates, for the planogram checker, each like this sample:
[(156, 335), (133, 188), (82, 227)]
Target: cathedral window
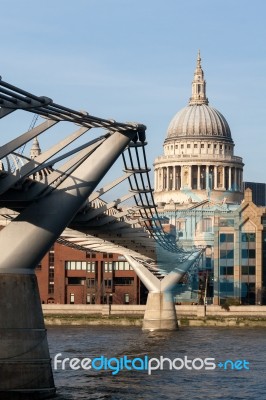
[(206, 225)]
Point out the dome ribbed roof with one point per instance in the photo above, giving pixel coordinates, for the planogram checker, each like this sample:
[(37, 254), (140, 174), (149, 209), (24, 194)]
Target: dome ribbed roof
[(199, 120)]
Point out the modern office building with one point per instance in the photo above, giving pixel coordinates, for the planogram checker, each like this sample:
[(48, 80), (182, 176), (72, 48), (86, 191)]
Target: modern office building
[(258, 192), (233, 266)]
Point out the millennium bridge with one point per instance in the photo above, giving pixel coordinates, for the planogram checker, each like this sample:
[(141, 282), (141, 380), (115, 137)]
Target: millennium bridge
[(58, 196)]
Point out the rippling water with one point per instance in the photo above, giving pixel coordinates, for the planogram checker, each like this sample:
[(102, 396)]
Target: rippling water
[(219, 343)]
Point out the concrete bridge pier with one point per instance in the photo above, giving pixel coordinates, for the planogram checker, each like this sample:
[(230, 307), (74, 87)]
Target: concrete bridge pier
[(25, 366), (160, 313)]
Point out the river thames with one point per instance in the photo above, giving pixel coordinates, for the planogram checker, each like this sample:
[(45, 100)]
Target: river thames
[(246, 380)]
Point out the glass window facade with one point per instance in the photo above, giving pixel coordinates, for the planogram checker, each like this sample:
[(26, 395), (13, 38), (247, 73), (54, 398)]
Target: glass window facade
[(122, 266), (91, 282), (226, 222), (226, 238), (108, 283), (248, 237), (80, 266), (248, 267), (226, 270), (124, 281), (226, 262), (226, 288), (108, 266)]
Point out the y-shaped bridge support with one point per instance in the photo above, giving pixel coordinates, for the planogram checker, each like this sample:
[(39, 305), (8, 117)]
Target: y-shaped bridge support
[(25, 367), (160, 311)]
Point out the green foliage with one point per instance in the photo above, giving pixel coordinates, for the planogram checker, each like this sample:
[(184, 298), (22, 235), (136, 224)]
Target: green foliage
[(230, 302)]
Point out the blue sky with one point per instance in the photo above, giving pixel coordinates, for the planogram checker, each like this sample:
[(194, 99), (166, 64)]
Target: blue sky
[(133, 60)]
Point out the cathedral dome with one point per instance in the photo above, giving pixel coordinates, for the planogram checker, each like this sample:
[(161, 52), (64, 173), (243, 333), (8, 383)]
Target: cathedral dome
[(199, 120), (198, 163)]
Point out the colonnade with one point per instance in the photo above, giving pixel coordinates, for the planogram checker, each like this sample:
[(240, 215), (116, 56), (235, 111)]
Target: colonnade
[(198, 177)]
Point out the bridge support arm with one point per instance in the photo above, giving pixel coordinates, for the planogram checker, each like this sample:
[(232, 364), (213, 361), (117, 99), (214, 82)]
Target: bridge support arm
[(160, 310), (39, 225), (25, 367), (160, 313)]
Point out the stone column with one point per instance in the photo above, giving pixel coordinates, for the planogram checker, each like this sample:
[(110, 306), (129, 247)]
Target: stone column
[(234, 178), (237, 179), (230, 178), (207, 178), (190, 177), (173, 177), (198, 178), (164, 178), (223, 178), (181, 177), (167, 178), (215, 172), (178, 183), (160, 181)]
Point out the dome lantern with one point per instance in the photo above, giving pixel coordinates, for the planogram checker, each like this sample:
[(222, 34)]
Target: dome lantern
[(198, 85), (198, 119), (35, 148)]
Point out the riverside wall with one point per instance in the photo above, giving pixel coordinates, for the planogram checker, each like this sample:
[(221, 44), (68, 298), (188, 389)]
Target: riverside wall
[(132, 315)]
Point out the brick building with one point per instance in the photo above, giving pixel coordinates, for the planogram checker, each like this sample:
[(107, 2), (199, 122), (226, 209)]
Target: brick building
[(70, 276)]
